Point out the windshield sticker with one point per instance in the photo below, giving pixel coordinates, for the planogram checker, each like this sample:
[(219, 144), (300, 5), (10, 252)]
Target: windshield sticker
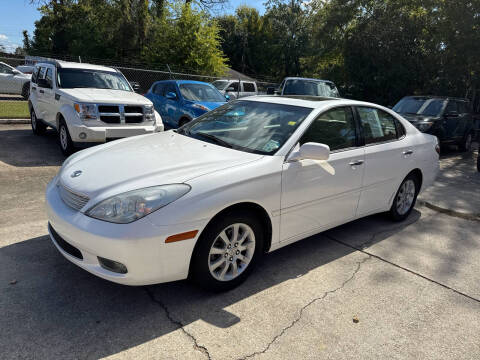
[(271, 145), (292, 123)]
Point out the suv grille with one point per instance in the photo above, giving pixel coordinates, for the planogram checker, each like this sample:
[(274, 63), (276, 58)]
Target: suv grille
[(121, 114), (72, 199)]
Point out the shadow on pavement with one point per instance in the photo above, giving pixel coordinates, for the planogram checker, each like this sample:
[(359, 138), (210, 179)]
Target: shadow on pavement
[(57, 310), (20, 147)]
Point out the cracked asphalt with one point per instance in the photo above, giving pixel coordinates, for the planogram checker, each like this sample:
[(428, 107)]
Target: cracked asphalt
[(413, 287)]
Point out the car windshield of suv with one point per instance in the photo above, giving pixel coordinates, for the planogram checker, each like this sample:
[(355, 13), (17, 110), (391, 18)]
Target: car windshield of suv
[(201, 92), (97, 79), (220, 84), (310, 87), (420, 106), (250, 126)]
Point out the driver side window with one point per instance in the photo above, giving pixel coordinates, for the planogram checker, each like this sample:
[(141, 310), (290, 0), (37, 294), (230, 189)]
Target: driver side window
[(335, 128), (5, 69)]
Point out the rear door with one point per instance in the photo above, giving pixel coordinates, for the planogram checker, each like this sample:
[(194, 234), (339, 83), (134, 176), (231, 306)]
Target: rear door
[(452, 121), (171, 105), (389, 157), (49, 102)]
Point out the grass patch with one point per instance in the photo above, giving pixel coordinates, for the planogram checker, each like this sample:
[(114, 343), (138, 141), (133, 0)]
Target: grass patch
[(14, 110)]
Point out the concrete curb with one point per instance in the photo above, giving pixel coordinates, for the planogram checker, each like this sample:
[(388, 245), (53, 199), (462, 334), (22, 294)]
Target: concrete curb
[(14, 121), (455, 213)]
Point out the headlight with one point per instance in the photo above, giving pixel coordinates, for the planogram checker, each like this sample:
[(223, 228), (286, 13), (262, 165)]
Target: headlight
[(424, 126), (201, 107), (86, 111), (133, 205), (149, 113)]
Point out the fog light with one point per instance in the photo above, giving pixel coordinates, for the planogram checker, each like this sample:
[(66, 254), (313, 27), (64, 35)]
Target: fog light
[(111, 265), (82, 135)]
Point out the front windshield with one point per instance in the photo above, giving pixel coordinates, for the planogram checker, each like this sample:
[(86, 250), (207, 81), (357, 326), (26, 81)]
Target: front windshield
[(310, 87), (85, 78), (220, 84), (420, 106), (250, 126), (201, 92)]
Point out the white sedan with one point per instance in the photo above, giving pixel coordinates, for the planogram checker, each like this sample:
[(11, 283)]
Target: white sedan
[(13, 81), (206, 201)]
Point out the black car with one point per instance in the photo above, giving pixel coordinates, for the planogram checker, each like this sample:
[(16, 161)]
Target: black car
[(449, 119)]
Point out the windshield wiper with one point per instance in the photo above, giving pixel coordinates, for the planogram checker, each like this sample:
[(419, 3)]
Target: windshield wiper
[(215, 139)]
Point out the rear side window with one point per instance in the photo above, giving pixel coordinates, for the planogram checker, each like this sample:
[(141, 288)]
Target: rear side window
[(233, 85), (335, 128), (378, 126), (248, 87), (41, 73), (49, 76)]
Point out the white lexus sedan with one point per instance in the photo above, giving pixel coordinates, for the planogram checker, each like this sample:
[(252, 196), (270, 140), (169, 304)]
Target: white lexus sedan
[(206, 201)]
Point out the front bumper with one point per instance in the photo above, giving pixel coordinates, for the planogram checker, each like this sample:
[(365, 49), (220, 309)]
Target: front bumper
[(140, 245), (100, 134)]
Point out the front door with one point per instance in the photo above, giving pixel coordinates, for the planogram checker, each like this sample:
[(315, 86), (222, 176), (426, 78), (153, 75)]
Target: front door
[(320, 194), (48, 99)]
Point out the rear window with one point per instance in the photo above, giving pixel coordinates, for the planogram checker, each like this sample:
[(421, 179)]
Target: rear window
[(248, 87)]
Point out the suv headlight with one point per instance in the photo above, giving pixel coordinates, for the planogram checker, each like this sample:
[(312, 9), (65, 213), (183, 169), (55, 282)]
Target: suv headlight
[(149, 113), (86, 111), (133, 205)]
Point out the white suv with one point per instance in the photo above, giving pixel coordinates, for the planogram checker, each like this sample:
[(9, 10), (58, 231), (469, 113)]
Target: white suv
[(236, 89), (87, 104)]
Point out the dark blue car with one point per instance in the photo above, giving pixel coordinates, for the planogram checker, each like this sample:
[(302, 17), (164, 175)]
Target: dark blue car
[(180, 101)]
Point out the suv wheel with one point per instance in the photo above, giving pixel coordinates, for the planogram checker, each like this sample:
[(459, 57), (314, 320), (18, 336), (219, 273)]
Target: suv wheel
[(227, 252), (64, 139), (38, 127), (466, 144), (405, 198)]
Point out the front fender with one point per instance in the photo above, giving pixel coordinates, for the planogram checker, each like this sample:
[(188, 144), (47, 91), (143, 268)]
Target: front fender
[(69, 114)]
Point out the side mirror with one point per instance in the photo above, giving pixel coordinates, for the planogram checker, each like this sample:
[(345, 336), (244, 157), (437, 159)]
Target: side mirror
[(171, 96), (230, 89), (43, 83), (270, 91), (227, 97), (312, 151)]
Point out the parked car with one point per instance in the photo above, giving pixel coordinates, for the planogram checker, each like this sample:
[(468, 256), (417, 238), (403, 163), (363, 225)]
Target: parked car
[(206, 201), (180, 101), (305, 86), (449, 119), (87, 104), (236, 89), (13, 81), (26, 69)]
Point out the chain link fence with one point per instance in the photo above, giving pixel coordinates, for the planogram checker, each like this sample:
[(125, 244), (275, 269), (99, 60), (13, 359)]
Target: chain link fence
[(15, 73)]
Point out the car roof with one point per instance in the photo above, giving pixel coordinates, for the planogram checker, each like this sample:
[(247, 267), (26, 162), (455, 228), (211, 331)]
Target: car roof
[(182, 82), (310, 79), (75, 65), (435, 97), (313, 102), (241, 80)]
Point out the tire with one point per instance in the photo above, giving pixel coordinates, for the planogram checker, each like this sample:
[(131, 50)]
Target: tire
[(405, 198), (466, 144), (38, 127), (64, 139), (182, 122), (26, 91), (213, 261), (478, 161)]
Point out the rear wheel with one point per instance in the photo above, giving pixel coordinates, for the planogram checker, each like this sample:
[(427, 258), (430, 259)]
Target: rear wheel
[(38, 127), (466, 144), (64, 139), (182, 122), (227, 251), (405, 198)]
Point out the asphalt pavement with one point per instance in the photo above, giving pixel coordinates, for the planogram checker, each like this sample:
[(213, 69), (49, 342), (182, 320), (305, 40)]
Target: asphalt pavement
[(370, 289)]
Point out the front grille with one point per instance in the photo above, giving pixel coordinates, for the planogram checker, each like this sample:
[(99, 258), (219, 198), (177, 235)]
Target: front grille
[(133, 119), (68, 248), (74, 200), (108, 109), (110, 119), (133, 109)]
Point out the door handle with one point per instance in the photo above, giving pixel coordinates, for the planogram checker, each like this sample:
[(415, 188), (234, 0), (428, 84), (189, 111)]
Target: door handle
[(42, 92), (356, 162), (408, 152)]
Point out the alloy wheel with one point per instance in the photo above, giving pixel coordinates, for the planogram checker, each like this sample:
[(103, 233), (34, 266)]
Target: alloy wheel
[(405, 197), (231, 252), (63, 137)]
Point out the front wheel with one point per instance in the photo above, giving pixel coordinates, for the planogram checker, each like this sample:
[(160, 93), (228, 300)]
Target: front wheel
[(227, 251), (405, 198), (64, 139)]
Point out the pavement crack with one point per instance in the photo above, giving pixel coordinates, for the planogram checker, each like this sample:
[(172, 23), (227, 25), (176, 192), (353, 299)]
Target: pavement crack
[(300, 313), (196, 346), (402, 268)]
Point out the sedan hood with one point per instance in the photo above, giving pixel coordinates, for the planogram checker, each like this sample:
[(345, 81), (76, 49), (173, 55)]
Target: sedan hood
[(148, 160), (106, 96)]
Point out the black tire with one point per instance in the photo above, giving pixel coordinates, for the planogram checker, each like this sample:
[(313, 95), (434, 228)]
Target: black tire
[(199, 266), (38, 127), (466, 144), (26, 91), (401, 214), (478, 161), (64, 139), (183, 121)]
